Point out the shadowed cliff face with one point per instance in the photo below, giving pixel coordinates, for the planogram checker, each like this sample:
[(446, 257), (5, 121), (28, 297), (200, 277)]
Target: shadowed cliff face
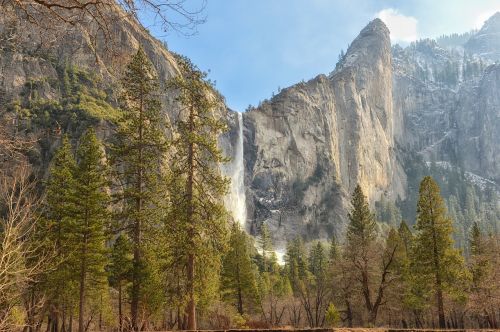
[(310, 145), (32, 53)]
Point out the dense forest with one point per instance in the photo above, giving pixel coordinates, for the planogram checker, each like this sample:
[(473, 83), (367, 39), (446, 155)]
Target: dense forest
[(132, 234)]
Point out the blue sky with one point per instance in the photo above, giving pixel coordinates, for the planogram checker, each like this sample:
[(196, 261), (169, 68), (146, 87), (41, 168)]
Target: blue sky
[(252, 47)]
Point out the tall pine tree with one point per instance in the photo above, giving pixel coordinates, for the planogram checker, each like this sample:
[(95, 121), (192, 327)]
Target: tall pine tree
[(435, 263), (56, 219), (198, 214), (238, 273), (137, 154), (90, 216)]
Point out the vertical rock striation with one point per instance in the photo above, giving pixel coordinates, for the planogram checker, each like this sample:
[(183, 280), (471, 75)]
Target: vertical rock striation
[(308, 147)]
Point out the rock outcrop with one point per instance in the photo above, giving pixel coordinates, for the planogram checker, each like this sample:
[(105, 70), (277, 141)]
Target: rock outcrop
[(308, 147), (486, 43)]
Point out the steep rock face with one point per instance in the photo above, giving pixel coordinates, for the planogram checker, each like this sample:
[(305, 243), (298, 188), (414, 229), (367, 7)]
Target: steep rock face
[(31, 54), (486, 42), (424, 98), (446, 106), (478, 126), (309, 146)]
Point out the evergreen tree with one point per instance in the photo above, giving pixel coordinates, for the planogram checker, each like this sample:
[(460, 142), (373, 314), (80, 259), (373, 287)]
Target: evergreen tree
[(238, 272), (266, 245), (59, 281), (365, 254), (296, 262), (120, 270), (480, 263), (318, 261), (334, 253), (362, 226), (198, 214), (405, 235), (434, 260), (137, 156), (89, 219)]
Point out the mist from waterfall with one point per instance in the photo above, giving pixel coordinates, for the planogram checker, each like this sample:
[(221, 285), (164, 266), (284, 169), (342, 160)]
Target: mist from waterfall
[(236, 199)]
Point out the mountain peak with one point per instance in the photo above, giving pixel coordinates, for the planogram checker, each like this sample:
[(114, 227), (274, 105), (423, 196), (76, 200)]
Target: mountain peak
[(492, 24), (376, 26), (486, 42), (372, 44)]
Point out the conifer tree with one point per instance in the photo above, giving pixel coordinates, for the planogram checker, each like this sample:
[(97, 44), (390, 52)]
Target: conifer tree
[(362, 227), (89, 212), (56, 217), (238, 272), (435, 262), (405, 235), (266, 245), (198, 214), (363, 253), (334, 252), (296, 262), (137, 156), (120, 270)]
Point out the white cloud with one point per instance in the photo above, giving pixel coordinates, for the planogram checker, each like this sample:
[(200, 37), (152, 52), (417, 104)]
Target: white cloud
[(403, 28)]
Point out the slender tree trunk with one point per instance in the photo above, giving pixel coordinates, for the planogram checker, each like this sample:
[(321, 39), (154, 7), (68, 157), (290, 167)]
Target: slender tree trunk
[(437, 271), (63, 327), (134, 310), (100, 313), (191, 307), (83, 272), (49, 323), (349, 313), (240, 296), (120, 313), (179, 319)]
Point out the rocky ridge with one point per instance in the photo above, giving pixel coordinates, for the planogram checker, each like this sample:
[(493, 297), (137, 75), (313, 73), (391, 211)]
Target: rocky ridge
[(304, 150), (308, 147)]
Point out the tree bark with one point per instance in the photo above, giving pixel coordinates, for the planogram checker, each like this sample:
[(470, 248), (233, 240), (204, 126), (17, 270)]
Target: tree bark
[(120, 313), (134, 309), (83, 272)]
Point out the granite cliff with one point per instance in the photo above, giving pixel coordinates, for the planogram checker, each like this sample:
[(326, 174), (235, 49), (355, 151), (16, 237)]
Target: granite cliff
[(383, 112), (308, 147)]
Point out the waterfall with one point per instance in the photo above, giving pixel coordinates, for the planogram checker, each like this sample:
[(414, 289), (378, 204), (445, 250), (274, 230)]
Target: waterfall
[(236, 199)]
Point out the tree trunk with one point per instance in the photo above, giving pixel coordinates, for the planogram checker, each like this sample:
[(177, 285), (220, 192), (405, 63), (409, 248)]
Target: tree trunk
[(191, 308), (349, 313), (240, 297), (120, 313), (134, 310), (440, 304), (83, 272)]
